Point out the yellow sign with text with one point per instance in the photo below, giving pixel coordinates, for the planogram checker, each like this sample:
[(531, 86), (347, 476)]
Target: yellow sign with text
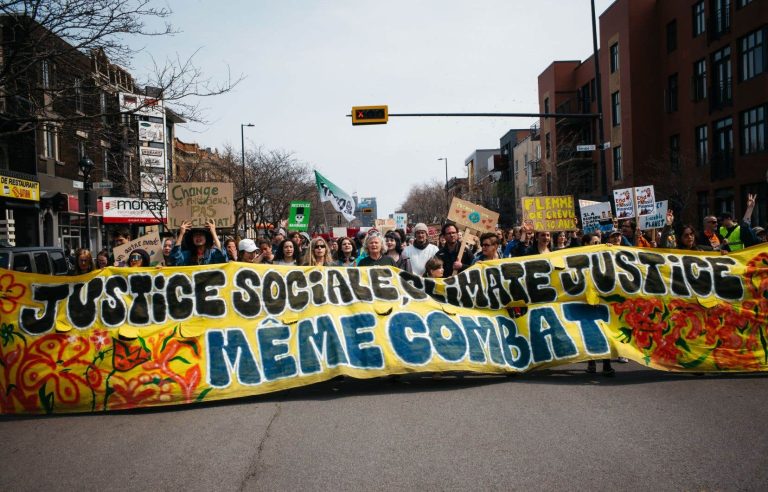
[(123, 338), (550, 213), (20, 189)]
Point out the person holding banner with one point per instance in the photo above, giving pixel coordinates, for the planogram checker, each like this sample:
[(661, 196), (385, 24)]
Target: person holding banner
[(375, 252), (347, 254), (167, 247), (450, 252), (199, 247), (709, 237), (319, 254), (421, 250), (395, 250), (489, 248), (138, 258), (83, 261), (247, 251), (541, 244), (286, 254)]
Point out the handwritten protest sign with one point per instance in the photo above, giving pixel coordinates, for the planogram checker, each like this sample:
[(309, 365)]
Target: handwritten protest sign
[(550, 213), (656, 220), (596, 217), (467, 214), (624, 201), (149, 244), (200, 202), (645, 199)]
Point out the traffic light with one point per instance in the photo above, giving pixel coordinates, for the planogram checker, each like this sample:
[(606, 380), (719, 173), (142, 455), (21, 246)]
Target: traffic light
[(370, 115)]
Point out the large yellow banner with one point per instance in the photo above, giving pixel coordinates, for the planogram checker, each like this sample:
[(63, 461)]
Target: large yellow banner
[(123, 338)]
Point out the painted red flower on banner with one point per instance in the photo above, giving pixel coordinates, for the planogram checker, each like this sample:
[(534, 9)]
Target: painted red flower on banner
[(127, 355), (756, 275), (644, 317), (10, 293), (60, 359), (167, 349), (100, 339), (130, 393)]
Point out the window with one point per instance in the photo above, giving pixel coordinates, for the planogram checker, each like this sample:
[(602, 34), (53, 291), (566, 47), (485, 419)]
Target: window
[(103, 106), (742, 3), (753, 130), (584, 98), (105, 160), (615, 109), (752, 49), (672, 93), (80, 149), (699, 19), (614, 57), (617, 172), (722, 149), (546, 105), (721, 77), (46, 74), (50, 142), (701, 145), (674, 153), (529, 173), (700, 80), (672, 36), (517, 167), (548, 145), (721, 16), (703, 201), (77, 86)]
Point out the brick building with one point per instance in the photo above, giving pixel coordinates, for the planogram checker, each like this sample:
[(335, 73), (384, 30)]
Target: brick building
[(685, 96)]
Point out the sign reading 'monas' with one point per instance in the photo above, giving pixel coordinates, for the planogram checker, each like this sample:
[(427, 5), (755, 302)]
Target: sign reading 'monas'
[(118, 210)]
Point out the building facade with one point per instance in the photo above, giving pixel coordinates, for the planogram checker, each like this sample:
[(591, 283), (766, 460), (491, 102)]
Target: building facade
[(684, 95)]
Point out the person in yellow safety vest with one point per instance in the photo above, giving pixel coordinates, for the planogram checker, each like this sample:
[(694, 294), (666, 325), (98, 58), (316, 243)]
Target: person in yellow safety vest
[(738, 236)]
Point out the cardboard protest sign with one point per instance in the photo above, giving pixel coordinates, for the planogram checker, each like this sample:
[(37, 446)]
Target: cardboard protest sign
[(149, 244), (467, 214), (645, 200), (624, 201), (298, 216), (200, 202), (433, 233), (596, 217), (550, 213), (656, 220)]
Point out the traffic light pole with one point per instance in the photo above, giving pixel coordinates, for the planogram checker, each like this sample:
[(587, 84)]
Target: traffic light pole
[(498, 115)]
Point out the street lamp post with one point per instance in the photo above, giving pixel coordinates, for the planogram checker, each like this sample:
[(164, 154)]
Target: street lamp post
[(245, 200), (86, 166), (446, 177)]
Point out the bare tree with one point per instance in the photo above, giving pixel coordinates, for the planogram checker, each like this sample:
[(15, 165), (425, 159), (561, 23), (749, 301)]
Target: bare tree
[(426, 202), (44, 41)]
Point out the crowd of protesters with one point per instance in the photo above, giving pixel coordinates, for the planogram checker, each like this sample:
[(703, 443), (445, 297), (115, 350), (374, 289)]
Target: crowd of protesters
[(416, 254)]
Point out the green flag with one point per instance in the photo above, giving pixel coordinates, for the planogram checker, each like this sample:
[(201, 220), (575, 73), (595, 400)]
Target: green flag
[(341, 201)]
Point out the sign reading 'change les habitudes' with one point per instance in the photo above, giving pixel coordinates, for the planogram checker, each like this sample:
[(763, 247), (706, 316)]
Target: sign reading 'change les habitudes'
[(122, 338)]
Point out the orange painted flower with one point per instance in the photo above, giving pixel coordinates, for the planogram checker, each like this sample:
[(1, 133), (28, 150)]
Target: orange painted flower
[(10, 292), (126, 356), (130, 393), (59, 359)]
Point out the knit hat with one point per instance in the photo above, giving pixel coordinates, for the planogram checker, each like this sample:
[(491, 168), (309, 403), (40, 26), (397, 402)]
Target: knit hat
[(421, 226)]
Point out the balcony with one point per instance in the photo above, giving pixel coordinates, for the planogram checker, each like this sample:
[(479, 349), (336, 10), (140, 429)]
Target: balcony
[(17, 175), (534, 167), (571, 106), (535, 132)]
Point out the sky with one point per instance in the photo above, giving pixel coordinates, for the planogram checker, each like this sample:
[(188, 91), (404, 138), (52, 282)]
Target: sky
[(306, 63)]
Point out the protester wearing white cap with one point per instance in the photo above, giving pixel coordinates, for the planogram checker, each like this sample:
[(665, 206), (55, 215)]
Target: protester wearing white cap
[(246, 251), (421, 250)]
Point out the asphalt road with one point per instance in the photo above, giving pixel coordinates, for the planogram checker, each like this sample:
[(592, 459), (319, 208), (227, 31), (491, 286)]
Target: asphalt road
[(550, 430)]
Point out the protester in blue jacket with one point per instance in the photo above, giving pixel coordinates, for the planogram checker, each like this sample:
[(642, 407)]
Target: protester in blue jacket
[(197, 246)]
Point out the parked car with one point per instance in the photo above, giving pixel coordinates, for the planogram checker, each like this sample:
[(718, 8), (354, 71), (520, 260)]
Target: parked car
[(48, 261)]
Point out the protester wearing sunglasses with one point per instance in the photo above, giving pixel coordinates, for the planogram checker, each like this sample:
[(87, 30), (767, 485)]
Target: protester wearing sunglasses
[(138, 258), (318, 253), (489, 248)]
